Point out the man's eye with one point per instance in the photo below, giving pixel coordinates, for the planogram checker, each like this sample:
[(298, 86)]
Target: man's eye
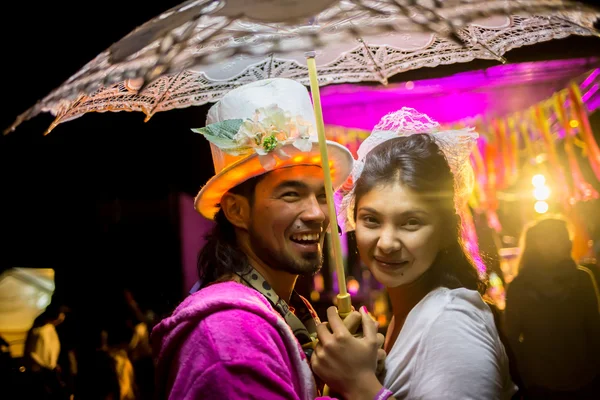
[(290, 194)]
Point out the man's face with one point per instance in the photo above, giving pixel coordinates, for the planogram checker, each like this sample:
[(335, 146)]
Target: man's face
[(288, 219)]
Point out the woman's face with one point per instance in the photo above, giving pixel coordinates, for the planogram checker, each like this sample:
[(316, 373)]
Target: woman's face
[(398, 234)]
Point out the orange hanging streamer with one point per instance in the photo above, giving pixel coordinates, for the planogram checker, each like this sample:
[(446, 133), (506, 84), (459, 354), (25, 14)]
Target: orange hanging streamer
[(490, 159), (585, 128), (513, 150), (583, 191), (539, 116), (480, 178), (500, 157), (581, 237), (524, 134)]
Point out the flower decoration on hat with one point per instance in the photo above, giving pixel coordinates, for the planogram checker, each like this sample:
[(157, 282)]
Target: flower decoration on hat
[(265, 134)]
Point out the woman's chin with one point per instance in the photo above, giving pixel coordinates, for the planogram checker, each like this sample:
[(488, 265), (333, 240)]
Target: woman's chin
[(391, 279)]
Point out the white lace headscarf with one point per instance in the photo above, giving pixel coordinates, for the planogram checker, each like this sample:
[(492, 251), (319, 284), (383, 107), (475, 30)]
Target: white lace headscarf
[(455, 144)]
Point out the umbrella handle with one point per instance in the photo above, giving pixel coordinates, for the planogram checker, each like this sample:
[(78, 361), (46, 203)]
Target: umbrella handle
[(344, 303)]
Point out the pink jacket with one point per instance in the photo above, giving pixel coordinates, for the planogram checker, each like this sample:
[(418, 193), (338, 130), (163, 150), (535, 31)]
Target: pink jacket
[(227, 342)]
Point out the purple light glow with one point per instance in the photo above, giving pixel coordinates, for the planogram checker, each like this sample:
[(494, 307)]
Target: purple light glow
[(590, 78), (589, 93), (496, 91), (593, 104)]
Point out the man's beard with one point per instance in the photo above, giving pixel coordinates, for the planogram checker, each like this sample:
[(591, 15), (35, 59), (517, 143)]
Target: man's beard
[(307, 265)]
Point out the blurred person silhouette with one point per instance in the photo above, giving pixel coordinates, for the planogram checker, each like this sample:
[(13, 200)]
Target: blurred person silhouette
[(552, 316), (41, 353), (7, 370), (98, 379), (139, 349), (116, 346)]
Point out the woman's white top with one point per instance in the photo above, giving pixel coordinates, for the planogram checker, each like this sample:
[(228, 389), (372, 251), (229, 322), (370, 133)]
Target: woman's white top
[(449, 348)]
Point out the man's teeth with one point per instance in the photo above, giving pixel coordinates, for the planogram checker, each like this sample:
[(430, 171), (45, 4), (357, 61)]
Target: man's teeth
[(306, 237)]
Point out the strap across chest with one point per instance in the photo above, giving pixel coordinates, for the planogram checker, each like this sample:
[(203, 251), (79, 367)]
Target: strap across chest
[(303, 320)]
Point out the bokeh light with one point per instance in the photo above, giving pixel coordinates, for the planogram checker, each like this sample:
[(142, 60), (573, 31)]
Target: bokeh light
[(541, 193), (353, 286), (541, 207), (538, 180)]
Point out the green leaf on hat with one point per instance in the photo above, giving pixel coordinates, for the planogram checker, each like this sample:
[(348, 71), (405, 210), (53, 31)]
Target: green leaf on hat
[(221, 135)]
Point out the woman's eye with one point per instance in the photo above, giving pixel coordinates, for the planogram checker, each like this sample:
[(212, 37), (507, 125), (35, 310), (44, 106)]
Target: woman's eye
[(369, 220), (412, 223)]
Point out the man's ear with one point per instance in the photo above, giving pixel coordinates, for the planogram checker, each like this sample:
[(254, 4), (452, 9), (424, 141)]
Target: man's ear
[(236, 209)]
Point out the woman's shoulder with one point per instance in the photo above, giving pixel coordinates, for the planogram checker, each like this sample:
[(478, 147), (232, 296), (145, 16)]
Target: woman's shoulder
[(460, 300), (458, 346), (462, 309), (458, 316), (443, 306)]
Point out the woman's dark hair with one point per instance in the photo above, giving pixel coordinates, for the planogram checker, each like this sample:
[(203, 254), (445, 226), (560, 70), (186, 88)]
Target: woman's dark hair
[(221, 255), (417, 162)]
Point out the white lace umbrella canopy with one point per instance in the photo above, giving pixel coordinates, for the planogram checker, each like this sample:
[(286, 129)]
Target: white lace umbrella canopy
[(198, 51)]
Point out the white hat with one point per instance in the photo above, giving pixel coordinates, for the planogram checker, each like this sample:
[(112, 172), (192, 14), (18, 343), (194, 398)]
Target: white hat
[(261, 126)]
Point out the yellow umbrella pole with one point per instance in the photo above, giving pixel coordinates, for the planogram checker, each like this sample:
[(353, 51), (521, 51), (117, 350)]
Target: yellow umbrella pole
[(344, 304)]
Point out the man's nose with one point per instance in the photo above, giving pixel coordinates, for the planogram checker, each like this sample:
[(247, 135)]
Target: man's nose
[(314, 211)]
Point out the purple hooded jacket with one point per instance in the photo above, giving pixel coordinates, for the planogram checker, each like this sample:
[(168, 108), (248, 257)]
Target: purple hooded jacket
[(227, 342)]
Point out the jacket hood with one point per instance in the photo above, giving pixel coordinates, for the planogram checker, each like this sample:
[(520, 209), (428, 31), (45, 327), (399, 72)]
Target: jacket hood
[(172, 331)]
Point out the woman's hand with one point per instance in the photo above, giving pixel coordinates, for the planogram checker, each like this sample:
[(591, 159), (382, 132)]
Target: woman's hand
[(352, 322), (348, 364)]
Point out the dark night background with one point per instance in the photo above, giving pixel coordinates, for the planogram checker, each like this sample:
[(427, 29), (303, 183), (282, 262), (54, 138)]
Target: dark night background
[(96, 199)]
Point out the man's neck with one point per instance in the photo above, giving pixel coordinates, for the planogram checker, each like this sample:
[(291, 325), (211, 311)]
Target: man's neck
[(282, 282)]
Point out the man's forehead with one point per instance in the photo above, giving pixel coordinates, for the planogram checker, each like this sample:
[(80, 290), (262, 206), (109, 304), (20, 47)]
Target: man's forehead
[(298, 176)]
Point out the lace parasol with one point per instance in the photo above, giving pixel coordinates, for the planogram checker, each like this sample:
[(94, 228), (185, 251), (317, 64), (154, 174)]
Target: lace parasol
[(196, 52)]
